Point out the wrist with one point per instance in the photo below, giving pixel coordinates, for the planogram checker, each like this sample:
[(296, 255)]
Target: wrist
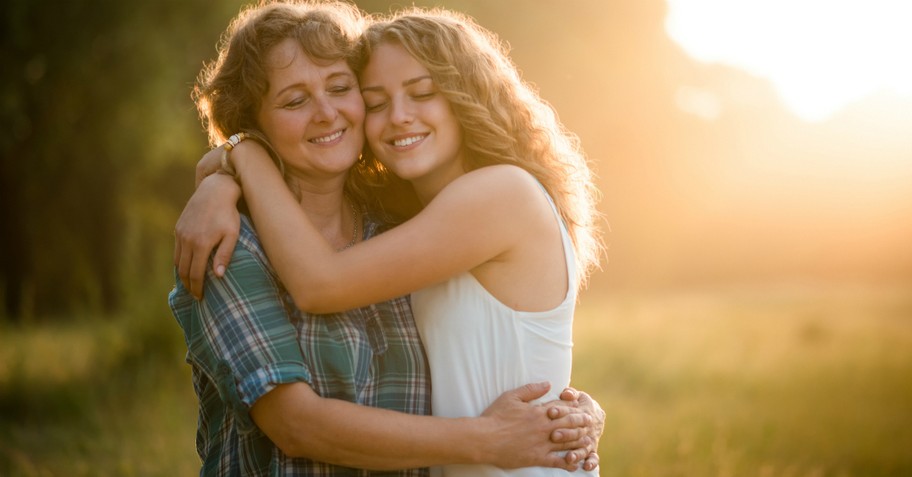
[(245, 155), (481, 441), (226, 185)]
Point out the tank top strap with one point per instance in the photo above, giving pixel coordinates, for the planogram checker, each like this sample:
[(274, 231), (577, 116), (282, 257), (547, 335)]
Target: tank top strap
[(569, 251)]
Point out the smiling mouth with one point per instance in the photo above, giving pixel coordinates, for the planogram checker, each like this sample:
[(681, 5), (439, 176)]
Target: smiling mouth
[(329, 138), (408, 141)]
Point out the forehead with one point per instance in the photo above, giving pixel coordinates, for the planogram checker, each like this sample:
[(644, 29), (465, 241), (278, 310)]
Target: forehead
[(288, 59), (391, 61)]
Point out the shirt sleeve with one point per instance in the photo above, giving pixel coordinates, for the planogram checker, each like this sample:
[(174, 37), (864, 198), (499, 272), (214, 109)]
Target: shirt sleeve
[(245, 340)]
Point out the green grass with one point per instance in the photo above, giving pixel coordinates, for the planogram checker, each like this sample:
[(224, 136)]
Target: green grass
[(766, 383), (787, 382), (96, 398)]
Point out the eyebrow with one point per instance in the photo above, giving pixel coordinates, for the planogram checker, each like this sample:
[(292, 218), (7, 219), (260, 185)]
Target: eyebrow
[(404, 83), (331, 77)]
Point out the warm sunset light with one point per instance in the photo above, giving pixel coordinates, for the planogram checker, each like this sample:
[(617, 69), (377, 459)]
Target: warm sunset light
[(821, 55)]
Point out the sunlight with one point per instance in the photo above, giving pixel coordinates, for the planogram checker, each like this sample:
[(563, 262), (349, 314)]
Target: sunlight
[(821, 55)]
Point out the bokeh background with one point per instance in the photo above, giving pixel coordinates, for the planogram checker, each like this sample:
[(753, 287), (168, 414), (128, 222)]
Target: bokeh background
[(753, 316)]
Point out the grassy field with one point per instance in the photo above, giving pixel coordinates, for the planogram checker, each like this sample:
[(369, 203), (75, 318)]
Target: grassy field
[(794, 381)]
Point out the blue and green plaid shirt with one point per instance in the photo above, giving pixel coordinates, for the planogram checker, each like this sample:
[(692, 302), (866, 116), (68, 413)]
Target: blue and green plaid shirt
[(246, 336)]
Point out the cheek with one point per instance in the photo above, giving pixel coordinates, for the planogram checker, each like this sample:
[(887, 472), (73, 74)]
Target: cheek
[(373, 127), (354, 110), (277, 126)]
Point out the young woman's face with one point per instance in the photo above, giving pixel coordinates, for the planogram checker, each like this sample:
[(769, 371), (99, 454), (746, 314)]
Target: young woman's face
[(410, 126), (313, 112)]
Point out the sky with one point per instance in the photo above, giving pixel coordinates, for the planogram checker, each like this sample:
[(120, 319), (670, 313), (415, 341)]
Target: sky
[(821, 55)]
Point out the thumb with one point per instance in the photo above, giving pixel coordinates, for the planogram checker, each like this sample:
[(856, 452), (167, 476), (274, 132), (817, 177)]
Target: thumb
[(531, 391), (570, 394), (223, 254)]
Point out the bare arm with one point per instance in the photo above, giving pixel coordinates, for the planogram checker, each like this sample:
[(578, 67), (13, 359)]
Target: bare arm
[(208, 222), (472, 221), (242, 326), (512, 433)]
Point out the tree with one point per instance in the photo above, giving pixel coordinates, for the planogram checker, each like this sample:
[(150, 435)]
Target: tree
[(95, 101)]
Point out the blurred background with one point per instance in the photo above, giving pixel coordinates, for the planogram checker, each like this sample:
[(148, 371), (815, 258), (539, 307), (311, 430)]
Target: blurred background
[(754, 312)]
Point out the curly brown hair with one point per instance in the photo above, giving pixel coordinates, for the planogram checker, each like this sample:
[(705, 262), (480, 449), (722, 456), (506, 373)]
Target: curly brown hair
[(229, 90), (503, 118)]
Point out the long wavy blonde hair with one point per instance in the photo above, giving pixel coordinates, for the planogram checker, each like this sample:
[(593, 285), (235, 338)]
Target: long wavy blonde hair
[(503, 118), (230, 89)]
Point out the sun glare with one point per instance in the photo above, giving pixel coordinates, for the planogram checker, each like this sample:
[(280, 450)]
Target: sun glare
[(821, 55)]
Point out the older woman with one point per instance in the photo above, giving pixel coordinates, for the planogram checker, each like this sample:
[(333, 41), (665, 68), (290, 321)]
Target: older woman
[(291, 393)]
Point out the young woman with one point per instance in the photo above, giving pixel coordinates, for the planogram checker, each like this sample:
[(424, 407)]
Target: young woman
[(506, 235), (279, 390)]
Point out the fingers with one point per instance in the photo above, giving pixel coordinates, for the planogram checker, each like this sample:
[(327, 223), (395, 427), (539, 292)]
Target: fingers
[(568, 435), (559, 460), (198, 270), (209, 164), (570, 394), (575, 456), (516, 402), (585, 400), (223, 254), (560, 408), (560, 411), (579, 448), (531, 391), (592, 407), (574, 419), (191, 267), (591, 462), (183, 266)]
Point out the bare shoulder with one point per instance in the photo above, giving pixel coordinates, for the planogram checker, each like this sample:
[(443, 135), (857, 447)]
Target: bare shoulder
[(500, 195), (503, 181)]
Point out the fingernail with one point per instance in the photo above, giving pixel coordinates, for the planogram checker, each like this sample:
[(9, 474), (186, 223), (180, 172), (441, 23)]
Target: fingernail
[(220, 270)]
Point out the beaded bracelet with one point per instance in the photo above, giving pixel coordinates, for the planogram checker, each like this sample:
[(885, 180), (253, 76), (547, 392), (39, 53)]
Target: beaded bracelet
[(235, 139), (226, 167)]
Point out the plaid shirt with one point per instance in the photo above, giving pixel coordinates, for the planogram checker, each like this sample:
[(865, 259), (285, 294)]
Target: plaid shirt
[(246, 336)]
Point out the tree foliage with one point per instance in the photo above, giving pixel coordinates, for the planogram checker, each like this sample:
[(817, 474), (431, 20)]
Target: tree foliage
[(100, 138)]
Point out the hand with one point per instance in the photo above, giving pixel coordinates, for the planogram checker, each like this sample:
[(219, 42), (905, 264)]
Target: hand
[(209, 164), (574, 399), (521, 432), (210, 219)]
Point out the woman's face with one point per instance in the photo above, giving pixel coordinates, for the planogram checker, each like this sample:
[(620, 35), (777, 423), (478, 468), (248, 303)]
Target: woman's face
[(410, 126), (313, 113)]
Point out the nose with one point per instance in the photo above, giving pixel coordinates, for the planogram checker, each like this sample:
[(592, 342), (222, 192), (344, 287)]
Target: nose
[(326, 111), (401, 112)]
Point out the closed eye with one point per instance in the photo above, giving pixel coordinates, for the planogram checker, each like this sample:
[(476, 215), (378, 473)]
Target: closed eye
[(374, 107), (340, 90), (295, 103)]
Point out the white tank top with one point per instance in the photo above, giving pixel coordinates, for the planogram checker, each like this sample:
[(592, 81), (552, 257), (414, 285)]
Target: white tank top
[(478, 348)]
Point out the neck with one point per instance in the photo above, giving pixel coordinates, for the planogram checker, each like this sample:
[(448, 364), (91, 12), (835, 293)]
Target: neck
[(428, 186), (328, 209)]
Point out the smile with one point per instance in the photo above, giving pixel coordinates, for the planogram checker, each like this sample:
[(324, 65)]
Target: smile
[(326, 139), (408, 141)]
